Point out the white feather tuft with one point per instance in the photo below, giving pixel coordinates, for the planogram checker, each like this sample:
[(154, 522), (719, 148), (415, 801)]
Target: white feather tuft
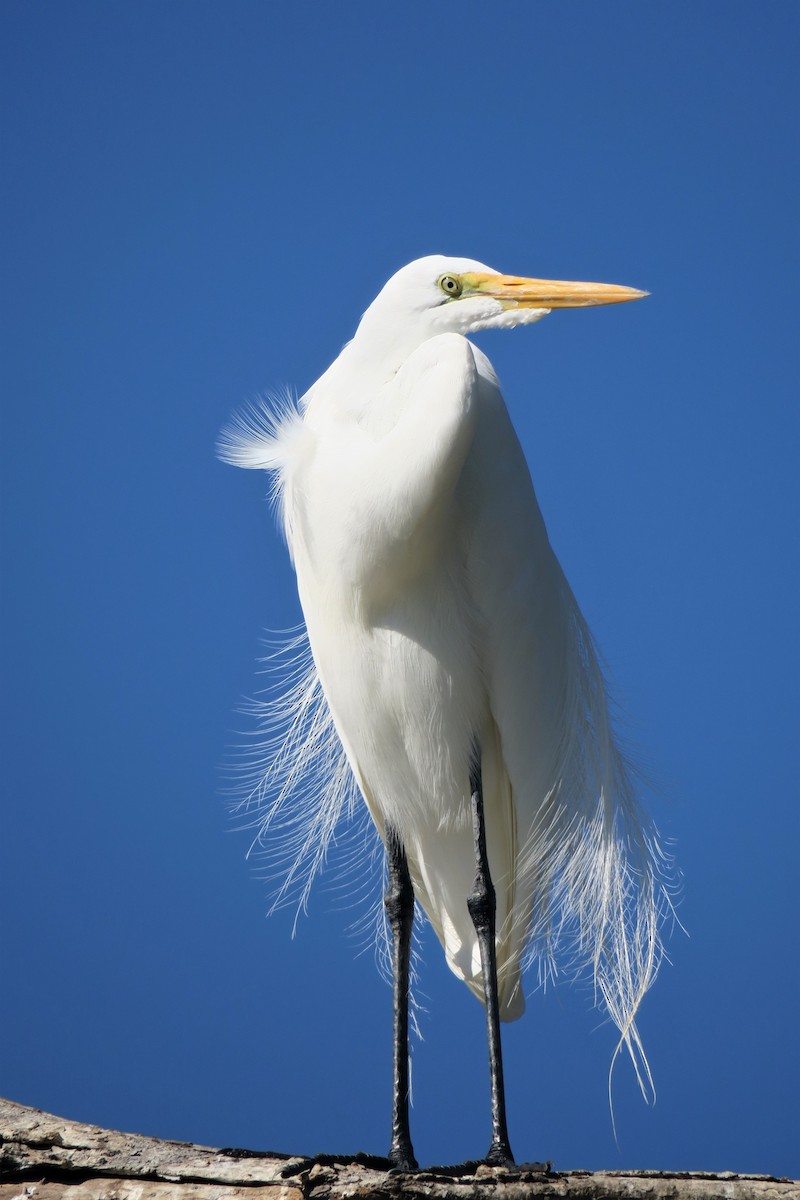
[(262, 437), (259, 435), (293, 786), (294, 781), (593, 865)]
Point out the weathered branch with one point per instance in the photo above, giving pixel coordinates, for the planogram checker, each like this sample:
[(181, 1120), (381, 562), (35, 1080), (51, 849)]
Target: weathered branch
[(46, 1157)]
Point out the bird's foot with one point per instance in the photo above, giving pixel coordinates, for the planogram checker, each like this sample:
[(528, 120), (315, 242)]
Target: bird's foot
[(401, 1156), (499, 1154)]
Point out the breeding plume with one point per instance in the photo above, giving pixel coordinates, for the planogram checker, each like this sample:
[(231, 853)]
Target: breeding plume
[(452, 661)]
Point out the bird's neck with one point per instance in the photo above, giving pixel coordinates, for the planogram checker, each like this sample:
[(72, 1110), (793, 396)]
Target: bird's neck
[(358, 378), (382, 344)]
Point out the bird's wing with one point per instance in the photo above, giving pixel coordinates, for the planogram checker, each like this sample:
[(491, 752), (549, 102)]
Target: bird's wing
[(584, 874)]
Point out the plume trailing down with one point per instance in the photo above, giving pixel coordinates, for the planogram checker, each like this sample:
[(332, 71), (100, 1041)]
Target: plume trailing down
[(452, 683)]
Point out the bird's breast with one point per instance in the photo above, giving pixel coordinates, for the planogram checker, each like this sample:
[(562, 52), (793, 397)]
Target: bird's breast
[(404, 688), (372, 500)]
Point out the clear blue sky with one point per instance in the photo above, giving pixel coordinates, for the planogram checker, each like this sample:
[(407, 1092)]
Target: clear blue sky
[(199, 200)]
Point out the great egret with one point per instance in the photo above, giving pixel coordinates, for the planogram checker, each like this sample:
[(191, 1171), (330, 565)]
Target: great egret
[(452, 659)]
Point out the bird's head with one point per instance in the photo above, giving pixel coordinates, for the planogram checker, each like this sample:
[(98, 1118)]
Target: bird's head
[(437, 294)]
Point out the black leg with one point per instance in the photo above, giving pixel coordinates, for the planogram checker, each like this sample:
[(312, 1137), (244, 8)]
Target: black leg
[(399, 902), (482, 907)]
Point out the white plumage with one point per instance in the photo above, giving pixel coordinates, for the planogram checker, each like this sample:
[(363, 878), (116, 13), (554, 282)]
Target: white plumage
[(440, 620)]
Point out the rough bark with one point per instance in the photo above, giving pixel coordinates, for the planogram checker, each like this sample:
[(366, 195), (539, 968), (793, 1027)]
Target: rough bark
[(47, 1157)]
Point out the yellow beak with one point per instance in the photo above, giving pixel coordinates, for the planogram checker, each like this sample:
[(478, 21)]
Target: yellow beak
[(514, 291)]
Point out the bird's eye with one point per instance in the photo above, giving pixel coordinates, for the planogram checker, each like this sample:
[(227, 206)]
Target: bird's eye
[(451, 285)]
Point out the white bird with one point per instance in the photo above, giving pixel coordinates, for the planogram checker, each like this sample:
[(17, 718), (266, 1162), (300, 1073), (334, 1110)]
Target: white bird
[(454, 664)]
